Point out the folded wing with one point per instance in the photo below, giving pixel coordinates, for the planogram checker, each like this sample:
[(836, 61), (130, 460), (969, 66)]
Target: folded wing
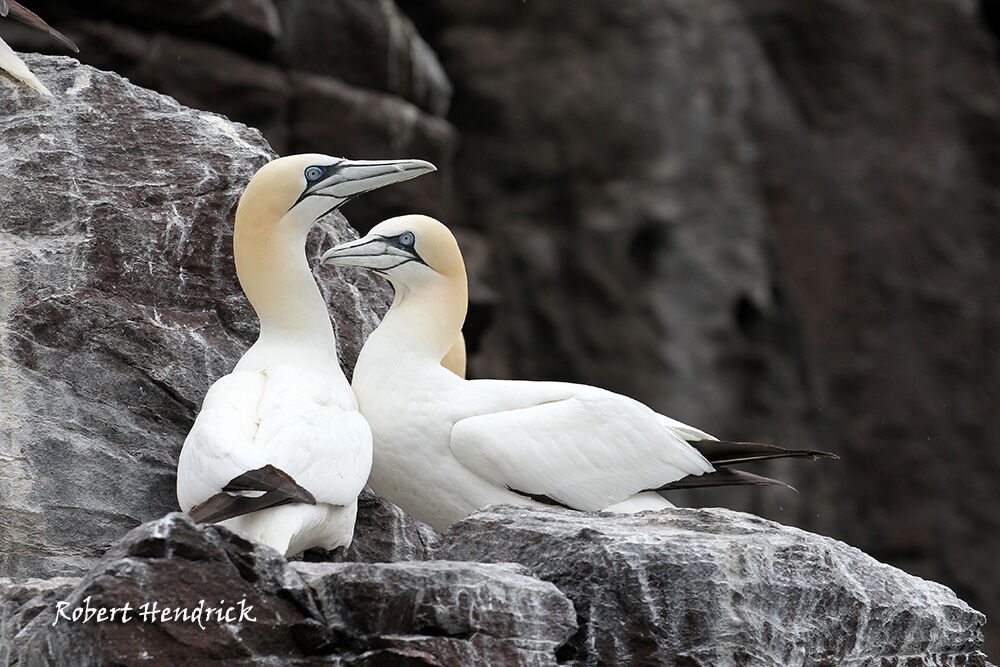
[(580, 446)]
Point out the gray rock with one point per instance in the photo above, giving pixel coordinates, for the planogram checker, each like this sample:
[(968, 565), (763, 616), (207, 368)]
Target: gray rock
[(711, 587), (375, 47), (119, 303), (22, 601), (461, 613), (436, 613), (383, 533), (175, 565)]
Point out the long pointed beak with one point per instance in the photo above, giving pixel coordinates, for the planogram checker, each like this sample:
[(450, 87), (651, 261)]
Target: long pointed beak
[(369, 252), (355, 177)]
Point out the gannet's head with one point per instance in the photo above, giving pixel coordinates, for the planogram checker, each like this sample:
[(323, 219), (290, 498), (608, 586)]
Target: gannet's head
[(409, 250), (303, 188)]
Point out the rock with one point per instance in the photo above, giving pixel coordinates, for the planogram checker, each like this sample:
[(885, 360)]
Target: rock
[(378, 92), (711, 586), (22, 601), (119, 303), (199, 74), (253, 25), (376, 47), (459, 613), (177, 565), (437, 613), (383, 533)]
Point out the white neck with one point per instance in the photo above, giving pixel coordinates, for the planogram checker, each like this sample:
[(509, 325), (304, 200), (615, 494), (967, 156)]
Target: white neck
[(422, 324)]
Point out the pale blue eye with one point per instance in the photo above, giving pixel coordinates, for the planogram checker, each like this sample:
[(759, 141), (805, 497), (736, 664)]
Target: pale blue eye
[(406, 238), (313, 174)]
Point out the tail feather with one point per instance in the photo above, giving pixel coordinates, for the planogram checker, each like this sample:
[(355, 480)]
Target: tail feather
[(723, 477), (10, 62), (726, 453)]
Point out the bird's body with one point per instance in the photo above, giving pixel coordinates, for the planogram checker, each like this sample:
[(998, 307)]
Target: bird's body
[(279, 450), (445, 446), (302, 421), (10, 61)]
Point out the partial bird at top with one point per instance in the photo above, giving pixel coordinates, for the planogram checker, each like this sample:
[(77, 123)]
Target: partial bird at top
[(10, 61), (445, 446)]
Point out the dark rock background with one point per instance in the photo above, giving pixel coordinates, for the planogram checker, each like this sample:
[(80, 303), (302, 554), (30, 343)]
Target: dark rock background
[(776, 220)]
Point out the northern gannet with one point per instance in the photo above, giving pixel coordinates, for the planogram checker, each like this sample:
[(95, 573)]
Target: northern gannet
[(10, 61), (279, 450), (446, 446)]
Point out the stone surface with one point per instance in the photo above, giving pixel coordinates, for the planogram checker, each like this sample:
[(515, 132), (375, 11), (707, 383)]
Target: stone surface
[(710, 587), (349, 78), (176, 564), (383, 534), (434, 613), (22, 601), (461, 613), (119, 303), (377, 47)]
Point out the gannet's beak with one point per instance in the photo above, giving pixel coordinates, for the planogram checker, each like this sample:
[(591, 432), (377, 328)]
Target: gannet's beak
[(354, 177), (375, 252)]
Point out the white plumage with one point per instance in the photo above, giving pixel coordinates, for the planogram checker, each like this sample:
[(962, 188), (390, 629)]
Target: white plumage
[(296, 420), (13, 65)]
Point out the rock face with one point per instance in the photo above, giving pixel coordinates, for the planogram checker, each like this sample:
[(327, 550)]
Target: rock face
[(693, 587), (434, 613), (454, 613), (119, 303), (711, 587), (176, 565), (349, 78)]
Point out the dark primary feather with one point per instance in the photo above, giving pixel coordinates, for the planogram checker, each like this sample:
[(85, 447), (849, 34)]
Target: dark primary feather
[(726, 453), (279, 488), (723, 477), (25, 15)]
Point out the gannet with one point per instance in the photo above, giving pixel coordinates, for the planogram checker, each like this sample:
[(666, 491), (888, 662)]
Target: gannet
[(10, 61), (446, 446), (279, 451)]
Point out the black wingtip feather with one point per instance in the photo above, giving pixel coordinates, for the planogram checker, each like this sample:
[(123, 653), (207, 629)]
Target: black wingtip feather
[(723, 477), (278, 486), (726, 453)]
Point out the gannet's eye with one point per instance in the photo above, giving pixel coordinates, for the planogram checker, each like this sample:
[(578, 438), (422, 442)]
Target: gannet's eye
[(406, 238), (313, 174)]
